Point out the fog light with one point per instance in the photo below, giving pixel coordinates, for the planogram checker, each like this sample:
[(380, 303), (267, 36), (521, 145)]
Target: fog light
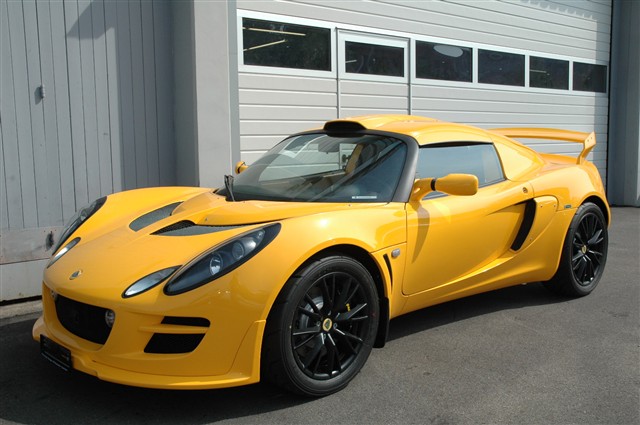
[(109, 317)]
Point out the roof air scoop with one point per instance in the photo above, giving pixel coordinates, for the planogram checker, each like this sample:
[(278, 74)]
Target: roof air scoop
[(343, 126)]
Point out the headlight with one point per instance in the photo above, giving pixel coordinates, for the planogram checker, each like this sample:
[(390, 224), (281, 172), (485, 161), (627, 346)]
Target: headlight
[(80, 217), (148, 282), (221, 260)]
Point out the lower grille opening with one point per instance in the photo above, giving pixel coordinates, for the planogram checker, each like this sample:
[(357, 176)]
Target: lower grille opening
[(186, 321), (83, 320), (173, 343)]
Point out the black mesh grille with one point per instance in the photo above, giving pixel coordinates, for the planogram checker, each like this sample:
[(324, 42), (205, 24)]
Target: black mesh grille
[(83, 320), (173, 343), (175, 226), (189, 228)]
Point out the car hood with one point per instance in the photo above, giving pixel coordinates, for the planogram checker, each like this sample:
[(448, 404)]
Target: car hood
[(209, 209), (113, 254)]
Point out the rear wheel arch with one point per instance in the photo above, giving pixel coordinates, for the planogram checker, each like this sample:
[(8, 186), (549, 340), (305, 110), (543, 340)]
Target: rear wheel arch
[(584, 252), (600, 203)]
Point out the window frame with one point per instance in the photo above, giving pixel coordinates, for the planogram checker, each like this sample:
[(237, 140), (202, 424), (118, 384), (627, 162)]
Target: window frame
[(245, 68), (415, 60), (376, 39), (568, 62)]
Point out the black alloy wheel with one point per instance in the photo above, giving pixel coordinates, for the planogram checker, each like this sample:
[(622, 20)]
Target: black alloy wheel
[(588, 250), (322, 328), (584, 253)]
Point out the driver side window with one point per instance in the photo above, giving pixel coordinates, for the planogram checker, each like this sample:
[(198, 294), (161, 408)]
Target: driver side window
[(479, 159)]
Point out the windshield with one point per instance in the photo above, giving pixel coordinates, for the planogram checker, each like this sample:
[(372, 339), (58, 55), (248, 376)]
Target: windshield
[(324, 168)]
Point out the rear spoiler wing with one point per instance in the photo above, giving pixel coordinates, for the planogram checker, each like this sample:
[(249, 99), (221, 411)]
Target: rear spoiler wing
[(588, 140)]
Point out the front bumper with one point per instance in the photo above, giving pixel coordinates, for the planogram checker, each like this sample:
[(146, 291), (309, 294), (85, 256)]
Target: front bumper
[(227, 355)]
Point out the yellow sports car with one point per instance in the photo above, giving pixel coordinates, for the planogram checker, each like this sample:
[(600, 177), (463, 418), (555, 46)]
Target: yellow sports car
[(292, 271)]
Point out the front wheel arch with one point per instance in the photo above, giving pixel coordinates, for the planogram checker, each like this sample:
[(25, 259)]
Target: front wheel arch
[(278, 363), (362, 256)]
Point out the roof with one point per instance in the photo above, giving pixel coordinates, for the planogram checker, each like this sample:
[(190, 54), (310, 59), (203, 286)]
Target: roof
[(424, 130)]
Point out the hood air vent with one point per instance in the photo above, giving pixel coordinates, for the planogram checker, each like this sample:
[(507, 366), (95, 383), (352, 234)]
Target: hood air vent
[(153, 217), (189, 228)]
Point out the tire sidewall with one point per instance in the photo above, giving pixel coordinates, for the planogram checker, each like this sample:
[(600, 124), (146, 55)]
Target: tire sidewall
[(584, 211)]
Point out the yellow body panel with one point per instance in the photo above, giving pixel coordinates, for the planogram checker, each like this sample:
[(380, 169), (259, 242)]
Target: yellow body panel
[(422, 252)]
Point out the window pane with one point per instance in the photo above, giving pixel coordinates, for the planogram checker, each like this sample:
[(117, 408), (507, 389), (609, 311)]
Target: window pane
[(269, 43), (481, 160), (325, 168), (443, 61), (364, 58), (589, 77), (500, 68), (548, 73)]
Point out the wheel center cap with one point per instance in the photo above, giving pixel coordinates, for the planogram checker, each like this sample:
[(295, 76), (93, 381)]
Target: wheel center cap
[(584, 249), (327, 324)]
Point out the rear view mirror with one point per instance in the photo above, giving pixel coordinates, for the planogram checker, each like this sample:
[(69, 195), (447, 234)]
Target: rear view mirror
[(453, 184)]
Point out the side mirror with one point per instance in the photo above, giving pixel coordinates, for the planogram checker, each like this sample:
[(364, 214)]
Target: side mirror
[(453, 184), (240, 167)]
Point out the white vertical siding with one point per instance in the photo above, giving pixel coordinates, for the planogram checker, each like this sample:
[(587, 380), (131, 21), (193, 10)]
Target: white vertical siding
[(100, 127)]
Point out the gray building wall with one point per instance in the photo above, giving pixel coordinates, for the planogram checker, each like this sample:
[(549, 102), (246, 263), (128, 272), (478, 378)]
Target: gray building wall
[(86, 108), (624, 118)]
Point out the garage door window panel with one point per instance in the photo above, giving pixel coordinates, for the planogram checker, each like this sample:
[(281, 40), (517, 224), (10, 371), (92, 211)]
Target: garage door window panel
[(548, 73), (495, 67), (439, 61), (374, 59), (589, 77), (285, 45)]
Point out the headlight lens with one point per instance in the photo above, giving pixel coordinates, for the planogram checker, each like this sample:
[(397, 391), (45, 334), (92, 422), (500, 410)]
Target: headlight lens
[(148, 282), (76, 221), (221, 260), (63, 251)]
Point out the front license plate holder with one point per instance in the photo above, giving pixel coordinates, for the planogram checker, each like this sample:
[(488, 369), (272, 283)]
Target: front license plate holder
[(56, 353)]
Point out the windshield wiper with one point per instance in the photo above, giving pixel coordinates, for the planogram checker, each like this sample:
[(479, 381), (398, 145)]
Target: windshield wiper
[(228, 184)]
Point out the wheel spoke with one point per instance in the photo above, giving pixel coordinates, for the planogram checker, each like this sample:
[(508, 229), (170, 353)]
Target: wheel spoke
[(311, 314), (307, 331), (349, 315), (349, 335), (580, 266), (341, 300), (333, 356), (346, 340), (578, 241), (594, 257), (327, 295), (303, 342), (315, 352), (312, 303), (596, 238), (577, 257)]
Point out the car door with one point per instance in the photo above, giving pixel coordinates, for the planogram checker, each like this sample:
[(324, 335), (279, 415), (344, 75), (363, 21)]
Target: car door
[(450, 238)]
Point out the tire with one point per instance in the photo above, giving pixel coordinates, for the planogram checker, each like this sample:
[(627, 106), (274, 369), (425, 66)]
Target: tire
[(321, 330), (584, 254)]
